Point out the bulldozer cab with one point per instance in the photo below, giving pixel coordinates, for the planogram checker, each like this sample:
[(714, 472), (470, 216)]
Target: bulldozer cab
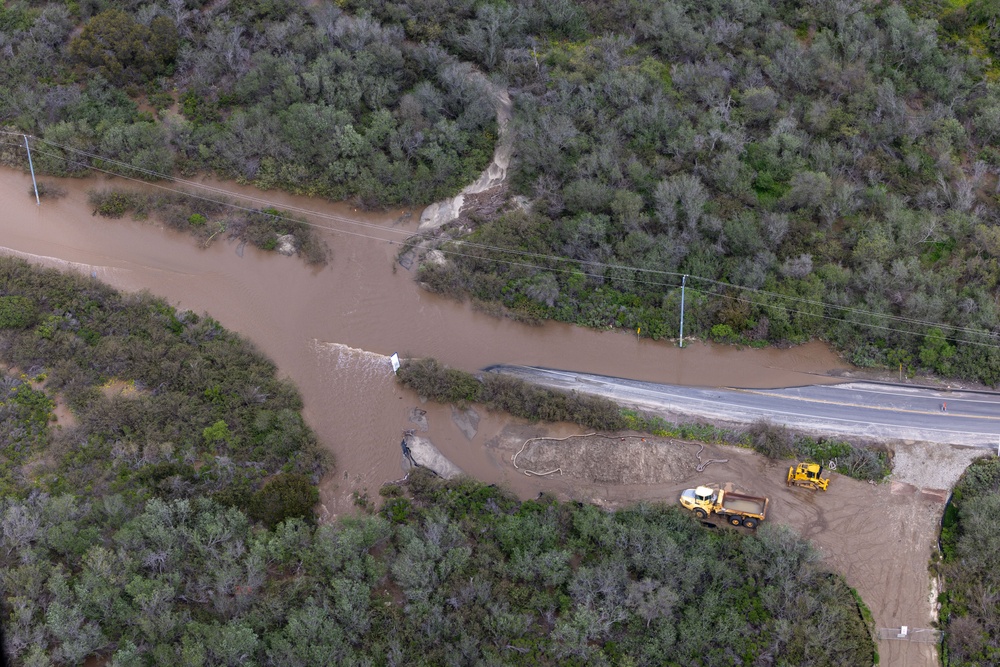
[(808, 475), (810, 470)]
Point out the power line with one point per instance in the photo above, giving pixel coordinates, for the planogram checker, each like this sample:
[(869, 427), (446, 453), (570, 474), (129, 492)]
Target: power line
[(898, 318), (498, 249), (201, 186), (227, 204), (854, 322), (758, 303)]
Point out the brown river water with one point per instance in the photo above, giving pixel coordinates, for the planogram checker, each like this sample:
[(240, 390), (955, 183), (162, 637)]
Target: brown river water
[(330, 330)]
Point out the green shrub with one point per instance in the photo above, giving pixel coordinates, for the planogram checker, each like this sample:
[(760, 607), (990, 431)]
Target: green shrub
[(115, 203), (771, 440), (285, 496), (218, 433), (47, 190), (501, 392), (723, 333), (123, 49), (430, 379), (970, 549), (865, 463), (17, 312)]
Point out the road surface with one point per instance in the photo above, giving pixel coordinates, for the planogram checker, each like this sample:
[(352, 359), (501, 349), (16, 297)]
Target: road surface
[(855, 409)]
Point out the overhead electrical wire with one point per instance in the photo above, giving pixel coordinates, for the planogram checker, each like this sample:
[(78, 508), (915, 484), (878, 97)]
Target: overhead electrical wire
[(406, 236)]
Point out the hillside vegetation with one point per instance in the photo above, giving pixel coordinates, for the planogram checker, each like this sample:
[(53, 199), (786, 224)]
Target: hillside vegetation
[(816, 168), (263, 91)]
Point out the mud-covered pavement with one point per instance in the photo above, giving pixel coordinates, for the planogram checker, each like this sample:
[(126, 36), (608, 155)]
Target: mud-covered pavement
[(880, 537)]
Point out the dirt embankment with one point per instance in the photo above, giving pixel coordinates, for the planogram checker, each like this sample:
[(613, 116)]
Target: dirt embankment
[(880, 537), (441, 213)]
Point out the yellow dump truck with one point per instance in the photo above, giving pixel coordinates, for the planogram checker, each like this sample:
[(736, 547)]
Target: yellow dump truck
[(737, 508)]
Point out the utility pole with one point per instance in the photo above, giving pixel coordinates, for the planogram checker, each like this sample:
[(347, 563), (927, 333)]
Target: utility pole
[(32, 168), (683, 284)]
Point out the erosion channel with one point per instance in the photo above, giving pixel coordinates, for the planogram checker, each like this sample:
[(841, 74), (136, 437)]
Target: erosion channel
[(331, 329)]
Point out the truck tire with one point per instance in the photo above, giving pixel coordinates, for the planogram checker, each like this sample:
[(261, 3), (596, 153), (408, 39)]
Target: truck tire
[(735, 520), (750, 522), (701, 514)]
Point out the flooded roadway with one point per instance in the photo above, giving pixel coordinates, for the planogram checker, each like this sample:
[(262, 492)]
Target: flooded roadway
[(330, 329)]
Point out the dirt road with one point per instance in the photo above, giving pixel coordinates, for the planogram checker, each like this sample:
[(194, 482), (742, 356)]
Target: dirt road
[(880, 537)]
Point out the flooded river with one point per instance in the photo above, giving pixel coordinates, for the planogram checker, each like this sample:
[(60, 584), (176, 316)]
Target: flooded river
[(330, 330)]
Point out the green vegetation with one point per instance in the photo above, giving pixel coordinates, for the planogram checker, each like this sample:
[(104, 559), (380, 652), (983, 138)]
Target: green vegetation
[(16, 312), (447, 573), (166, 404), (872, 463), (124, 50), (817, 169), (971, 548), (169, 522), (259, 227), (431, 380), (500, 392), (273, 93), (284, 497)]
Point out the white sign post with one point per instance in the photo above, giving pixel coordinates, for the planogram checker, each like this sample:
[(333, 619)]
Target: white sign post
[(395, 362)]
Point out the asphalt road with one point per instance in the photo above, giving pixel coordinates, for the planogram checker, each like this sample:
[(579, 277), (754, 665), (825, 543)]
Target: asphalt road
[(859, 409)]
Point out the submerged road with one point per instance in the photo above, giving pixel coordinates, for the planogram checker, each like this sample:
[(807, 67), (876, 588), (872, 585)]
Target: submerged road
[(858, 409)]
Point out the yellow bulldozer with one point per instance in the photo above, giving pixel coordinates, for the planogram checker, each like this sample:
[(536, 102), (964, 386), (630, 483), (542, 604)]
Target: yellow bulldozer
[(807, 475)]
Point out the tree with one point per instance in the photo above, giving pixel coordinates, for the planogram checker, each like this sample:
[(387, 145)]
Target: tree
[(681, 198), (142, 145), (75, 636), (230, 645), (217, 434), (809, 190), (312, 636), (124, 50), (16, 312), (285, 496), (936, 353)]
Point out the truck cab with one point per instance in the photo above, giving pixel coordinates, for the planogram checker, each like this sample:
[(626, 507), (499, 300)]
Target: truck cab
[(702, 500)]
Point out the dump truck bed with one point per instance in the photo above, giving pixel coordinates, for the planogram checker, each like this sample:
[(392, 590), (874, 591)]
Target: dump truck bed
[(737, 502)]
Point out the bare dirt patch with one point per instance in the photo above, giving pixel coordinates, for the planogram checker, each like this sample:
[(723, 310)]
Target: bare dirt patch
[(65, 418), (879, 537), (610, 459), (929, 466)]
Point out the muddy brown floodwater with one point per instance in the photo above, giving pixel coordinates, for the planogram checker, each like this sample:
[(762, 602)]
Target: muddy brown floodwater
[(330, 330)]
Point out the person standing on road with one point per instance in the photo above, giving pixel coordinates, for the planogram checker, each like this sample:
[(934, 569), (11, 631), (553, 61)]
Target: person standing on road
[(944, 406)]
